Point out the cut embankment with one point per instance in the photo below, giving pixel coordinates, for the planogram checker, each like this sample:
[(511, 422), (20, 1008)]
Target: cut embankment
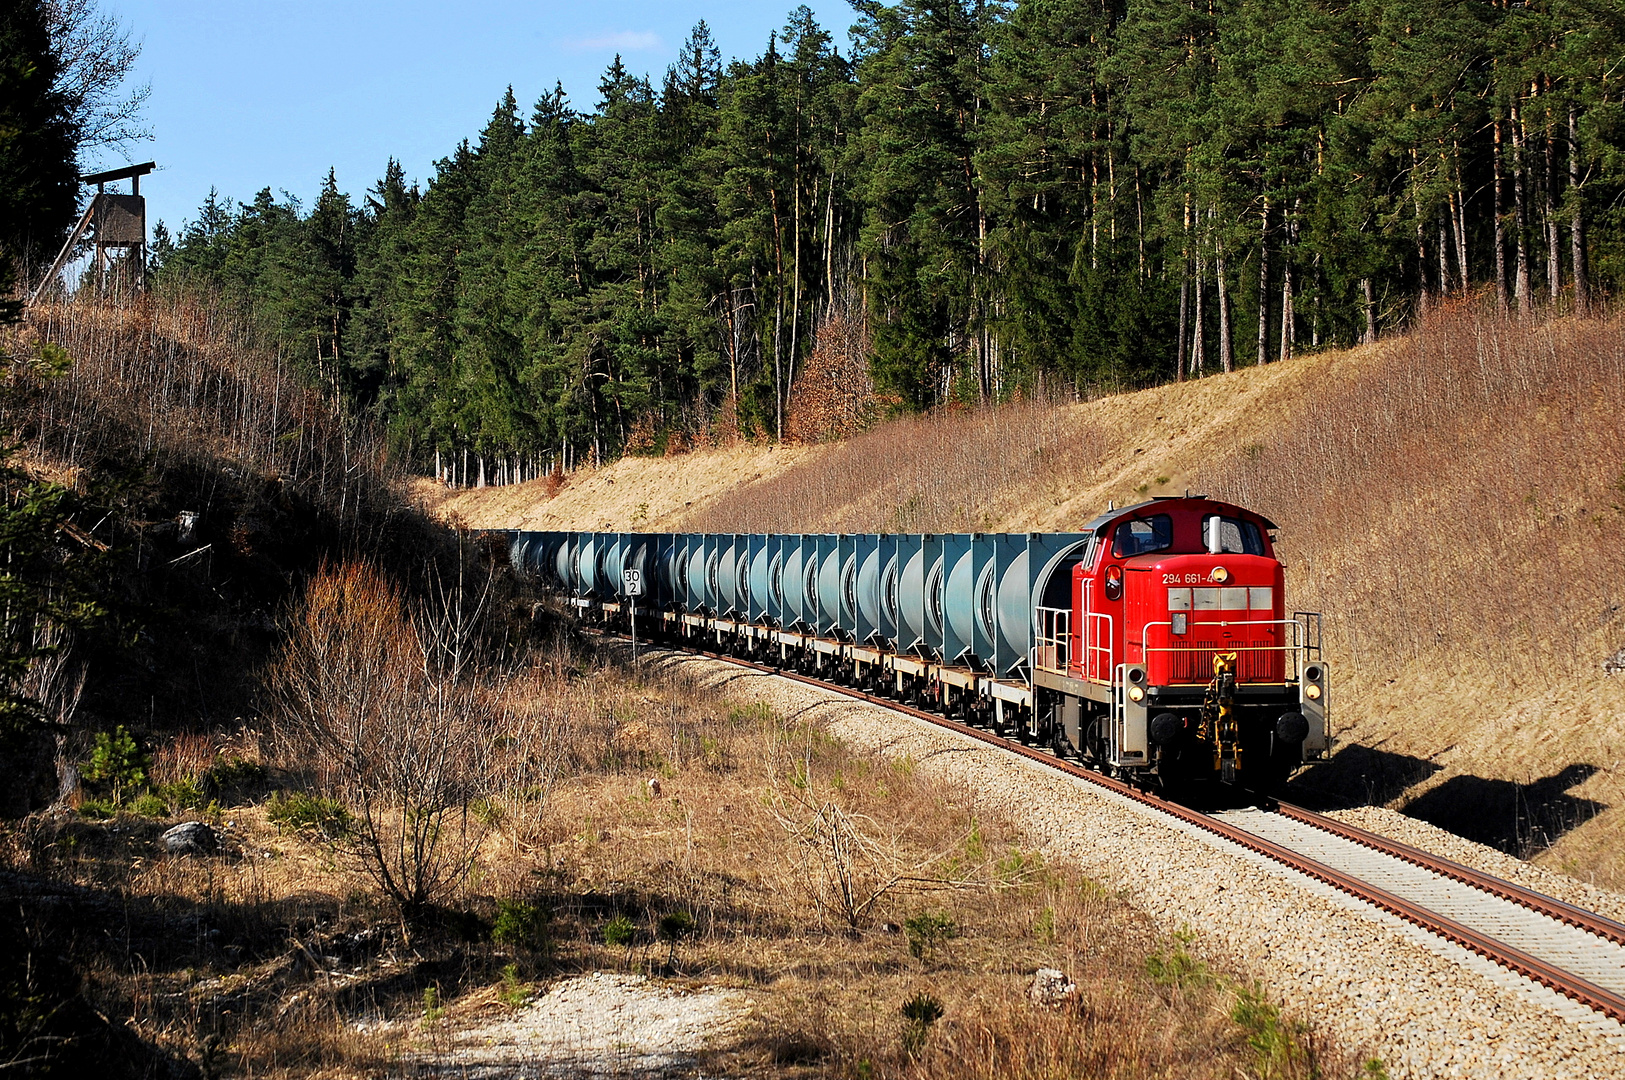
[(631, 494), (1453, 500)]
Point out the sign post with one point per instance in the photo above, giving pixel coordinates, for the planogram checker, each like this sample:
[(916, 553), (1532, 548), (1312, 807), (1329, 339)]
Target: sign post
[(632, 585)]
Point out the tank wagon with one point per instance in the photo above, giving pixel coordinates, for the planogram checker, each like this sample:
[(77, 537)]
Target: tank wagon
[(1153, 643)]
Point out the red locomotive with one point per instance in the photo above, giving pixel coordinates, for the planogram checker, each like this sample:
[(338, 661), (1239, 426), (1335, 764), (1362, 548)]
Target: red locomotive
[(1177, 656)]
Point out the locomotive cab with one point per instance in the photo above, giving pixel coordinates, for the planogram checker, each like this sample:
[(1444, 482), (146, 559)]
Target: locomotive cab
[(1187, 662)]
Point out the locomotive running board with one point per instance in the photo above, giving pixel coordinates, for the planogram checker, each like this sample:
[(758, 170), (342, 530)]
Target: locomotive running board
[(1078, 688)]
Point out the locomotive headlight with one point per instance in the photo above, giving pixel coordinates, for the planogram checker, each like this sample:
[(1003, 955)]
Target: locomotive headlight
[(1136, 693), (1312, 692), (1220, 575)]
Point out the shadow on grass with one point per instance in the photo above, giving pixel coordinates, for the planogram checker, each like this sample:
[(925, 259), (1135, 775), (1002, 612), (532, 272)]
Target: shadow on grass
[(1358, 776), (1519, 819)]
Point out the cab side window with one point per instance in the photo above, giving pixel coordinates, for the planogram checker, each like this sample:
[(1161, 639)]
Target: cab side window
[(1143, 536), (1231, 536)]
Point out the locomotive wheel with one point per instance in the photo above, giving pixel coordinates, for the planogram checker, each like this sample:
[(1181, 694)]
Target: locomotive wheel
[(1095, 743)]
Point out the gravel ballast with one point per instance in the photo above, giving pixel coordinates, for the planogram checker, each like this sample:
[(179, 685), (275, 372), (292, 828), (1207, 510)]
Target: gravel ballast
[(1377, 984)]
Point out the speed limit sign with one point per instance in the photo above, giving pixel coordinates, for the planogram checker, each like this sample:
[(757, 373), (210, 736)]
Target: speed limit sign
[(632, 585)]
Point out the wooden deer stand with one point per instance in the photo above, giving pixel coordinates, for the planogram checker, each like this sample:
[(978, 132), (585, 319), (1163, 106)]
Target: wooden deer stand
[(116, 222)]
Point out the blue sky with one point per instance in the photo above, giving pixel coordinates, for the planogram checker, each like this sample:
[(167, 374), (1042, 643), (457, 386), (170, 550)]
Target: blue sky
[(270, 94)]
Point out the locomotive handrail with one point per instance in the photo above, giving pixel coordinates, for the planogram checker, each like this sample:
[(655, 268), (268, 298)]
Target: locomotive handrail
[(1298, 645), (1114, 742), (1052, 638), (1091, 643)]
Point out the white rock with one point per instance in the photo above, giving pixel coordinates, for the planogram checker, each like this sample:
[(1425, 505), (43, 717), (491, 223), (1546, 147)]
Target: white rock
[(1052, 987)]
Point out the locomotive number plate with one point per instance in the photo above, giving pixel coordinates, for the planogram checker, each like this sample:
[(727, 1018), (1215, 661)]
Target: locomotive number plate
[(1181, 579)]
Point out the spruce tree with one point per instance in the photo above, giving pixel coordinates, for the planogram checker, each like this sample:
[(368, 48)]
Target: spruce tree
[(39, 189)]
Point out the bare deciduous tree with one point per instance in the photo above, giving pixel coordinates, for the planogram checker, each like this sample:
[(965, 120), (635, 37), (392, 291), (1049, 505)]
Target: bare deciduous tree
[(97, 57), (397, 718), (835, 396), (56, 680)]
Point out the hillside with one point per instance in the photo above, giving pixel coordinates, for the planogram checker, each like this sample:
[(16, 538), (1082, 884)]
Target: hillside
[(1451, 499), (633, 493)]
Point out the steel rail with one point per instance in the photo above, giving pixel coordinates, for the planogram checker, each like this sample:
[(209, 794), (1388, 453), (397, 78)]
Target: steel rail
[(1547, 974), (1561, 910)]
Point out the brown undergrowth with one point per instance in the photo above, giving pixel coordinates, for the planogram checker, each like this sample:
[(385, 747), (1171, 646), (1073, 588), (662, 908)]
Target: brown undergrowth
[(880, 923)]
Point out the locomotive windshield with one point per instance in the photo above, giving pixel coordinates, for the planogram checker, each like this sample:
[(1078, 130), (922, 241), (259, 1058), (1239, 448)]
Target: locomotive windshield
[(1231, 536), (1143, 536)]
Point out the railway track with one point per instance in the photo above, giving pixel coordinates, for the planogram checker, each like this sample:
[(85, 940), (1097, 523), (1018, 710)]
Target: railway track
[(1574, 952)]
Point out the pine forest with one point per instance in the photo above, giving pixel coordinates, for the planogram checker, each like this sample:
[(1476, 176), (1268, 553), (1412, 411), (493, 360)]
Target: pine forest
[(971, 201)]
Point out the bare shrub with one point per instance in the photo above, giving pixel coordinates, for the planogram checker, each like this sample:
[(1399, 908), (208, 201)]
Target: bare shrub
[(397, 718), (846, 864), (835, 396)]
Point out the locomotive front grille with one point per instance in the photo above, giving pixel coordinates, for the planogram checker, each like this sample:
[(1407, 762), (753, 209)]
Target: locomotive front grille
[(1255, 662)]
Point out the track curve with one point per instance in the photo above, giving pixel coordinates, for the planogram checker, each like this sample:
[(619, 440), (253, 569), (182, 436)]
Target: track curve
[(1607, 934)]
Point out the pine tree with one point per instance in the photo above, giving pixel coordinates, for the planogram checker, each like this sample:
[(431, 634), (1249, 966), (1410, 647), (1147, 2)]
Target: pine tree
[(382, 246), (924, 234), (39, 189)]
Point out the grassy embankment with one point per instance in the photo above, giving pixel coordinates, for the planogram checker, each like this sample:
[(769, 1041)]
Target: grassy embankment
[(296, 701), (1451, 499)]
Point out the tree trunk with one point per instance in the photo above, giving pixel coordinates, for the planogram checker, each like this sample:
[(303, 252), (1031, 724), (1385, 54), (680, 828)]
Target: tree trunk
[(829, 242), (1548, 209), (1314, 320), (1444, 251), (1289, 322), (1500, 228), (1184, 320), (1094, 211), (1184, 291), (1370, 312), (984, 344), (1198, 356), (1226, 351), (1139, 218), (1459, 207), (1422, 291), (1520, 221), (1264, 285), (1577, 249)]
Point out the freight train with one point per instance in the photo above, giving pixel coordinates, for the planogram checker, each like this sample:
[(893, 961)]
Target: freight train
[(1153, 644)]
